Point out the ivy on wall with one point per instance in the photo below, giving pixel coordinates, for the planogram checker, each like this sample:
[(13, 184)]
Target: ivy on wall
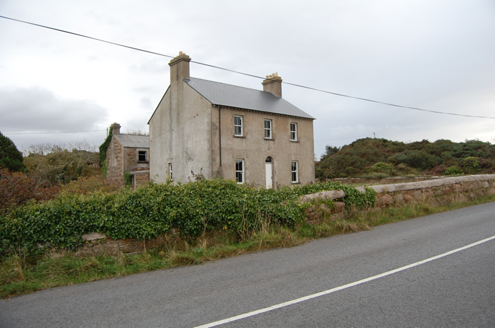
[(153, 210), (103, 152)]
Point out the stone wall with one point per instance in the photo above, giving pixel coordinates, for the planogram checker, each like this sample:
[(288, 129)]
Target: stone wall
[(98, 243), (115, 169), (441, 191), (436, 192), (141, 177), (122, 159)]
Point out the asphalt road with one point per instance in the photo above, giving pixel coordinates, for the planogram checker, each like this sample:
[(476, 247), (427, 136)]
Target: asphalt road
[(456, 290)]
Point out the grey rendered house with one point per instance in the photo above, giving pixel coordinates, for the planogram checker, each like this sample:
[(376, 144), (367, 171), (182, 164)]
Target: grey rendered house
[(251, 136)]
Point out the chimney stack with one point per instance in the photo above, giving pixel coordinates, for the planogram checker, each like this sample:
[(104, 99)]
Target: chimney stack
[(115, 128), (273, 84), (179, 67)]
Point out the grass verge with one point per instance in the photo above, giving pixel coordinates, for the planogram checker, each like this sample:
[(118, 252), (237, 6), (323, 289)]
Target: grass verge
[(23, 275)]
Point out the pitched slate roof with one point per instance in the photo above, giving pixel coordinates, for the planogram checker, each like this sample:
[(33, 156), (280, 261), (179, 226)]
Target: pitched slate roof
[(130, 140), (228, 95)]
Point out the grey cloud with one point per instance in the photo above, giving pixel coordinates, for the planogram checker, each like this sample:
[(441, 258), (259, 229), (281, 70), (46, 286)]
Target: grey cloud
[(37, 109), (145, 102)]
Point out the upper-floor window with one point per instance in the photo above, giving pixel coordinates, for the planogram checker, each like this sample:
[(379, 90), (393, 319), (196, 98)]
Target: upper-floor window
[(239, 170), (238, 126), (295, 172), (293, 131), (268, 129), (142, 156)]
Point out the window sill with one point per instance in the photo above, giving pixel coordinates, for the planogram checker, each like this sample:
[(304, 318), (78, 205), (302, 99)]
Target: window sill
[(296, 183), (239, 136), (295, 141)]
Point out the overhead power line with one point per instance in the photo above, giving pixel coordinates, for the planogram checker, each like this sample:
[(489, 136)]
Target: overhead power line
[(341, 139), (53, 132), (247, 74)]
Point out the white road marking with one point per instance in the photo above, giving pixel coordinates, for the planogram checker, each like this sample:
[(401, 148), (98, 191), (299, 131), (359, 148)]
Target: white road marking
[(336, 289)]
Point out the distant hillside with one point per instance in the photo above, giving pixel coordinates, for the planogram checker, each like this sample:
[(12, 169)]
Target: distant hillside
[(381, 157)]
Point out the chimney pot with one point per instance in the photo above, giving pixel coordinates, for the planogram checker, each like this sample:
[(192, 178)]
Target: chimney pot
[(115, 128), (179, 67), (273, 84)]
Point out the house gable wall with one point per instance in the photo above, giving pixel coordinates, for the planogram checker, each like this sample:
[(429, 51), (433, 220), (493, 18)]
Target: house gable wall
[(180, 133)]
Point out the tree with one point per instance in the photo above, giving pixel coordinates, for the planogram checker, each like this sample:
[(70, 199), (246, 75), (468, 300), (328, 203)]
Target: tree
[(10, 157)]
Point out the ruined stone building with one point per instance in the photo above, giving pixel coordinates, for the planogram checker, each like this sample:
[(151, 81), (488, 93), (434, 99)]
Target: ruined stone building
[(251, 136), (128, 153)]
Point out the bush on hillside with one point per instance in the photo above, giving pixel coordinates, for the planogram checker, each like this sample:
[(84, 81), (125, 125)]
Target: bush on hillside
[(453, 170), (423, 155), (470, 165)]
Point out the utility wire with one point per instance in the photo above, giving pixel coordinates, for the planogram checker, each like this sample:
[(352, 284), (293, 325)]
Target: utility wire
[(85, 36), (342, 138), (247, 74), (53, 132)]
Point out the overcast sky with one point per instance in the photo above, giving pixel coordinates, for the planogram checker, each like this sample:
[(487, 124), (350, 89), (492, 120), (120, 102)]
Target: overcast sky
[(432, 54)]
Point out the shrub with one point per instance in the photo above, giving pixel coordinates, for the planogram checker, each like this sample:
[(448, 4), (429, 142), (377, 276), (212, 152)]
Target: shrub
[(470, 165), (88, 185), (10, 157), (417, 159), (154, 209), (422, 155), (16, 188), (381, 167), (60, 165), (453, 170)]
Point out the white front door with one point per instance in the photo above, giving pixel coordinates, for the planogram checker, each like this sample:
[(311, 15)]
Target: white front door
[(269, 175)]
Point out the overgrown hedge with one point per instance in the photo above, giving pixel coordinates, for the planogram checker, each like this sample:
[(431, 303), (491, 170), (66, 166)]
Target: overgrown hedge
[(155, 209)]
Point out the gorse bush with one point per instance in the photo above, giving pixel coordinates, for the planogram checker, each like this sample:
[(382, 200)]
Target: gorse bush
[(153, 210), (17, 188), (88, 185), (359, 157), (453, 170), (471, 165), (54, 164)]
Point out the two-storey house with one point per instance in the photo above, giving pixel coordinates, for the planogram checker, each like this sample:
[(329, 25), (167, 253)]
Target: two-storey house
[(228, 131)]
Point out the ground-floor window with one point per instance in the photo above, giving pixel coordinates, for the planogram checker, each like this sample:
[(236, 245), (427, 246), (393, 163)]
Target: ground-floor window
[(170, 174), (239, 170), (295, 172)]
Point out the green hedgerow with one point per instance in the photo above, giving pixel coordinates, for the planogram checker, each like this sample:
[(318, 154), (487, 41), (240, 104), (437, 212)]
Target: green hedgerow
[(153, 210)]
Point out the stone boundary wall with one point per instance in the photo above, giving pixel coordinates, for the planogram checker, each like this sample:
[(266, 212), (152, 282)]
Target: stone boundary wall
[(436, 192), (98, 243)]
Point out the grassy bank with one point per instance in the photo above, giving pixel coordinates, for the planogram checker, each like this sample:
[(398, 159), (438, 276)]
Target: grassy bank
[(23, 274)]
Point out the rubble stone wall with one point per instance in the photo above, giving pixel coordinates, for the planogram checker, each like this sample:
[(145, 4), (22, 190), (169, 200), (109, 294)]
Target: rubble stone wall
[(437, 192), (115, 172)]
